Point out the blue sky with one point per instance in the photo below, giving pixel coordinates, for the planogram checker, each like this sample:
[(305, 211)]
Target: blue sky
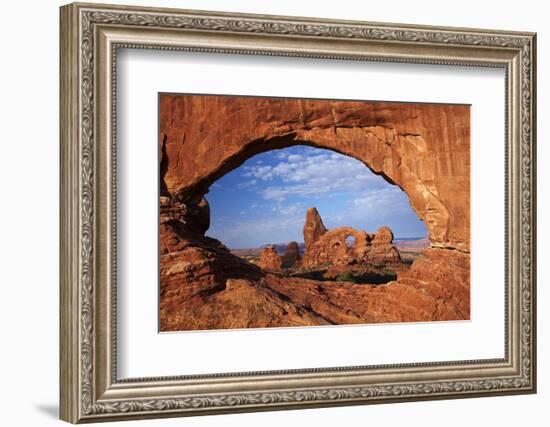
[(265, 199)]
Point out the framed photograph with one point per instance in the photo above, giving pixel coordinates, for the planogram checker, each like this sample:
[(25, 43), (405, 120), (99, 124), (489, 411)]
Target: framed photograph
[(266, 212)]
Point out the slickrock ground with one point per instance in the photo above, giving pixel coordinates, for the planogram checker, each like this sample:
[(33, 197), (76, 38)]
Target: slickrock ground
[(422, 148), (273, 300)]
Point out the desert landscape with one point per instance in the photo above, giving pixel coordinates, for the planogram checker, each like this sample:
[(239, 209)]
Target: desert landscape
[(326, 276)]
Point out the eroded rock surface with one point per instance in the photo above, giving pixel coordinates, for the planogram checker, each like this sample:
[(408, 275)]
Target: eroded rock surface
[(345, 245), (314, 227), (204, 286), (270, 259), (195, 298), (292, 258), (422, 148)]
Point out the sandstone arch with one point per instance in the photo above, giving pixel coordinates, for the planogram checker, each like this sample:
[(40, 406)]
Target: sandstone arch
[(324, 246), (422, 148)]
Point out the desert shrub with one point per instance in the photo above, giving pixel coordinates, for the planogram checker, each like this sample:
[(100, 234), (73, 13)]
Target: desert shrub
[(310, 274), (346, 277)]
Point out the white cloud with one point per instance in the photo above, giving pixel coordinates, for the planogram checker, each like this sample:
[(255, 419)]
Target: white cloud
[(256, 205), (313, 175), (247, 184), (294, 158), (292, 210), (255, 232), (379, 198), (344, 189), (261, 172)]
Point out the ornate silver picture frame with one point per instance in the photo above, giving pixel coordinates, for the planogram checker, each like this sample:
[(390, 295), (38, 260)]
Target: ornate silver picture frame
[(91, 35)]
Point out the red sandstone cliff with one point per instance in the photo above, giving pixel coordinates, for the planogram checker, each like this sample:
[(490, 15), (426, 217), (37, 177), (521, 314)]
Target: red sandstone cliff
[(422, 148)]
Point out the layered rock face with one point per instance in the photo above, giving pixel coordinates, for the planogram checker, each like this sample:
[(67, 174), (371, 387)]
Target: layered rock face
[(422, 148), (192, 269), (292, 258), (195, 216), (345, 245), (314, 227), (270, 259), (275, 301)]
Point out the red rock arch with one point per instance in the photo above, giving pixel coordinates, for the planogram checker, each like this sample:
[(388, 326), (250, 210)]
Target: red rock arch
[(422, 148)]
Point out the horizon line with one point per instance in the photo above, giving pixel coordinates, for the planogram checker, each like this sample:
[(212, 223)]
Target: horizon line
[(299, 243)]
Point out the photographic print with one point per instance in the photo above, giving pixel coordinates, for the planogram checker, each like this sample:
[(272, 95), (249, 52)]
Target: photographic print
[(300, 205), (279, 212)]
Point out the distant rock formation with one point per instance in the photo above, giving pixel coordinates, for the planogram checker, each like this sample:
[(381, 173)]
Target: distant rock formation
[(381, 249), (345, 245), (292, 258), (384, 235), (270, 259), (314, 227)]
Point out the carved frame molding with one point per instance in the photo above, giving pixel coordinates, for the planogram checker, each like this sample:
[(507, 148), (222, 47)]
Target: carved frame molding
[(90, 36)]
